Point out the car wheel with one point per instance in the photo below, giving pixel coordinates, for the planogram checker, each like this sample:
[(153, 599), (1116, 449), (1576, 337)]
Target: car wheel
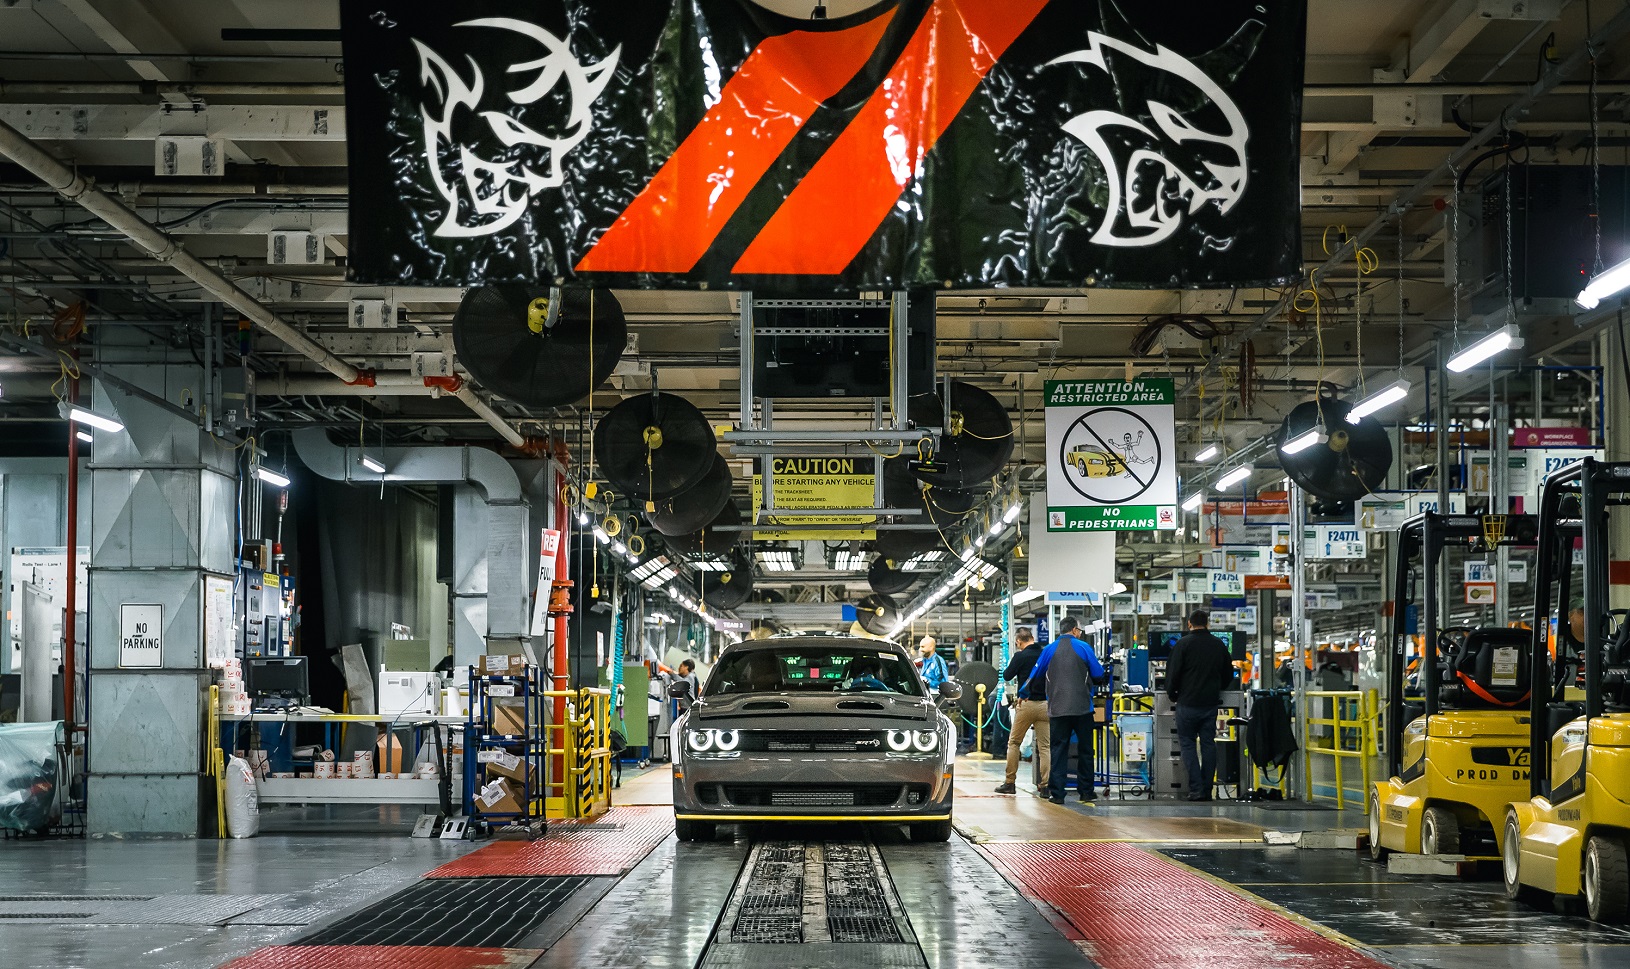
[(931, 831), (1376, 851), (1440, 832), (1511, 863), (693, 830), (1607, 880)]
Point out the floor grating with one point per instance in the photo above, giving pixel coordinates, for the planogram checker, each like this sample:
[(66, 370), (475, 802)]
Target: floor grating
[(772, 902), (485, 913), (856, 908)]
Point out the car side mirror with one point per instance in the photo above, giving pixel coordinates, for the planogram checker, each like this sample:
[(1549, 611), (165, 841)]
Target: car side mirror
[(679, 691), (950, 690)]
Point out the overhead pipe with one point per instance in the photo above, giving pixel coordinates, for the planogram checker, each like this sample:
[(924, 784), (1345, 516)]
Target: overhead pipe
[(75, 188), (1609, 32)]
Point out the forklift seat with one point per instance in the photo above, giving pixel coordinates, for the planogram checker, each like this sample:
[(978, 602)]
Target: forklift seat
[(1470, 673)]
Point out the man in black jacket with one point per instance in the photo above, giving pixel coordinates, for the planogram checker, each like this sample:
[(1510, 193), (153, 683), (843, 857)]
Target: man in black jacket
[(1197, 672), (1027, 714)]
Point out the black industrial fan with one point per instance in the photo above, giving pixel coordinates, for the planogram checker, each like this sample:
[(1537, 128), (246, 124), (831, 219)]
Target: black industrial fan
[(947, 506), (877, 614), (901, 544), (727, 590), (971, 676), (1329, 456), (537, 346), (900, 488), (885, 577), (975, 445), (711, 539), (654, 447), (693, 508)]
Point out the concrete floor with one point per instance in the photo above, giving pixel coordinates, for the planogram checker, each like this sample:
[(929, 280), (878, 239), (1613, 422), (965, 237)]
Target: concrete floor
[(201, 904)]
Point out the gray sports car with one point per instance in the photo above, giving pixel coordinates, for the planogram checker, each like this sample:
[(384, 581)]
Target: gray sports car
[(815, 729)]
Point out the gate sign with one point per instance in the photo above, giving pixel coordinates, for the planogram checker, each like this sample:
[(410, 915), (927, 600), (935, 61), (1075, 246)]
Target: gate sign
[(141, 637), (1111, 455), (913, 143), (1335, 542)]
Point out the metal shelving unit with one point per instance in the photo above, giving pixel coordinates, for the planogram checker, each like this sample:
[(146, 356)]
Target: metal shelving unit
[(525, 694)]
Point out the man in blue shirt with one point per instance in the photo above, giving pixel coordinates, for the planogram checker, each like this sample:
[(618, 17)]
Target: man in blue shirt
[(933, 667), (1068, 674)]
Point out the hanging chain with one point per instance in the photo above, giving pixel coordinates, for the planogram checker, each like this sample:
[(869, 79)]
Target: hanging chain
[(1510, 244), (1454, 254), (1400, 296), (1595, 168)]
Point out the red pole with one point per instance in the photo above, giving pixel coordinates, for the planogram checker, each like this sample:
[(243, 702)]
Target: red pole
[(73, 568)]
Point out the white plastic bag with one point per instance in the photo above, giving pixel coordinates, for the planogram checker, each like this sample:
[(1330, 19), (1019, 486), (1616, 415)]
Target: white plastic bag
[(242, 800)]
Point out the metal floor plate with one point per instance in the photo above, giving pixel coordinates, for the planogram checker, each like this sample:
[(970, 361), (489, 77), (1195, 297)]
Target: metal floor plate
[(133, 909), (383, 957), (611, 845), (459, 912)]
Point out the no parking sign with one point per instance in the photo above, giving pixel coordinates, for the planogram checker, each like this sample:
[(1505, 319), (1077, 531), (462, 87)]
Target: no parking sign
[(1111, 455)]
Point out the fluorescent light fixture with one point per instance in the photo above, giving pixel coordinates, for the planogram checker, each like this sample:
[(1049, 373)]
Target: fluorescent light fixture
[(1502, 339), (601, 536), (778, 560), (967, 553), (1019, 598), (845, 560), (1380, 400), (1193, 502), (84, 437), (372, 463), (1608, 282), (998, 528), (271, 477), (1012, 515), (632, 558), (1302, 442), (618, 547), (1234, 477), (1207, 454), (711, 563), (979, 542), (582, 518), (74, 412), (1117, 588)]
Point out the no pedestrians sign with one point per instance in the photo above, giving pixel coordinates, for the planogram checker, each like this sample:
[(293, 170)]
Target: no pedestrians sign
[(1111, 455)]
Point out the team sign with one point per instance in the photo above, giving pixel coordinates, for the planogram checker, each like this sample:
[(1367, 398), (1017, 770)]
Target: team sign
[(1111, 455)]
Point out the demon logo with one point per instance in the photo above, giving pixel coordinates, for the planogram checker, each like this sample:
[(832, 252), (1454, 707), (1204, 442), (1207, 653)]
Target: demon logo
[(487, 192), (1166, 158)]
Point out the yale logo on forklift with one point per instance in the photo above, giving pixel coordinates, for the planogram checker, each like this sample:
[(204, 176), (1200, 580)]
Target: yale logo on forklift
[(1396, 814), (1513, 760)]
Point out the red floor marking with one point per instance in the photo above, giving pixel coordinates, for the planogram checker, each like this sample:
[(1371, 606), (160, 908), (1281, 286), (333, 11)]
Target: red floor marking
[(1135, 910), (571, 848), (384, 957)]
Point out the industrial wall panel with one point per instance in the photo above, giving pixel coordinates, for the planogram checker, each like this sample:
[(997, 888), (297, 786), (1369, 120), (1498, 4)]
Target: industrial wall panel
[(217, 521), (508, 584), (148, 722), (470, 526), (178, 591), (469, 629), (145, 518), (153, 436), (136, 804)]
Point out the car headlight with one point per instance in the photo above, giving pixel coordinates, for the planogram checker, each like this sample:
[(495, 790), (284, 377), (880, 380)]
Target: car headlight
[(899, 740), (700, 740), (925, 740), (726, 739)]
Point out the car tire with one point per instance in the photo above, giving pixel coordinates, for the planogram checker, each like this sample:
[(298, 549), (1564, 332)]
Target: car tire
[(693, 830), (1377, 853), (1606, 880), (1511, 864), (927, 832), (1440, 832)]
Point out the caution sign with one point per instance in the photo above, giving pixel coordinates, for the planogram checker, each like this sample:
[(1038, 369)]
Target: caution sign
[(141, 637), (818, 483), (1111, 455)]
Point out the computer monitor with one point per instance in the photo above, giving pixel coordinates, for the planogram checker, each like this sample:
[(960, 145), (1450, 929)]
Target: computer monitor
[(281, 677), (1161, 642)]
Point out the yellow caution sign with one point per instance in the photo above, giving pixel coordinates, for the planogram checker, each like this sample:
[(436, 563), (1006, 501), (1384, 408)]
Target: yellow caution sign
[(820, 483)]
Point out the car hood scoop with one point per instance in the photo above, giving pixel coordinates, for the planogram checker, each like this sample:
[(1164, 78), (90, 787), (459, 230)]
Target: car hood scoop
[(844, 705)]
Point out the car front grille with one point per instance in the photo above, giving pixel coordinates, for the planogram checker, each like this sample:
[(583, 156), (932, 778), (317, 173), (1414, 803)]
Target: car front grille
[(823, 795), (813, 741)]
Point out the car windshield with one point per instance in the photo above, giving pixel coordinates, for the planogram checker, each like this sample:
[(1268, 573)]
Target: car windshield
[(814, 669)]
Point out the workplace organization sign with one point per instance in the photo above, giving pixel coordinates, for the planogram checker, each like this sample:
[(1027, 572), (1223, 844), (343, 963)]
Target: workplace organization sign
[(931, 143), (1111, 455)]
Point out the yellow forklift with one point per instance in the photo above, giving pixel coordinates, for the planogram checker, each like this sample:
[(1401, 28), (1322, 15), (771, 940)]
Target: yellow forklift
[(1568, 835), (1452, 745)]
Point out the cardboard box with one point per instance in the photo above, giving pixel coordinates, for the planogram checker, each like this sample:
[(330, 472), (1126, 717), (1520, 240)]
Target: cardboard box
[(503, 763), (509, 716), (502, 796), (502, 664)]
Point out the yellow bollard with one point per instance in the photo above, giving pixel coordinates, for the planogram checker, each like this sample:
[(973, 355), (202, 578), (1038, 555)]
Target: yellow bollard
[(979, 728)]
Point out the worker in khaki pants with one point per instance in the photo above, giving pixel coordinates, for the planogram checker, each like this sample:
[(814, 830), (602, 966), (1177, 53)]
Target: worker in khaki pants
[(1030, 713)]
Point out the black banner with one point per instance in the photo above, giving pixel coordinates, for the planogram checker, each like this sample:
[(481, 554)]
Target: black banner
[(943, 143)]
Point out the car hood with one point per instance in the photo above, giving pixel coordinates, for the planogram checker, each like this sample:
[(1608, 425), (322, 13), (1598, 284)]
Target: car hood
[(836, 709)]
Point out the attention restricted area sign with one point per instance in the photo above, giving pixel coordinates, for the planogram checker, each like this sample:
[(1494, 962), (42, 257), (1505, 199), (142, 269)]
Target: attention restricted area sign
[(820, 483), (1111, 455)]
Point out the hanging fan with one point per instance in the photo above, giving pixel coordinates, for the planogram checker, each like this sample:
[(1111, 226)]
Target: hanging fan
[(976, 445), (654, 447), (885, 577), (728, 590), (534, 345), (970, 676), (877, 614), (1351, 461), (948, 506), (710, 540), (695, 507), (899, 544), (900, 489)]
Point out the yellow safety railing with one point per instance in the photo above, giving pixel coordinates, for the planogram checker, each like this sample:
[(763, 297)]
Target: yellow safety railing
[(216, 768), (1352, 724), (583, 743)]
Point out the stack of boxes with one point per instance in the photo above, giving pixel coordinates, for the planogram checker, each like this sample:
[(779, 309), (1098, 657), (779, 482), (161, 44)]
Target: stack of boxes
[(234, 699)]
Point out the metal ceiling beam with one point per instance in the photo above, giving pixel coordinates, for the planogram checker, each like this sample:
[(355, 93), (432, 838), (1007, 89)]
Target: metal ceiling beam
[(140, 122)]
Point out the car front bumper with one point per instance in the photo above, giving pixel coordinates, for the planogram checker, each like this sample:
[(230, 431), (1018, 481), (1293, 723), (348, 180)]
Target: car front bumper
[(882, 786)]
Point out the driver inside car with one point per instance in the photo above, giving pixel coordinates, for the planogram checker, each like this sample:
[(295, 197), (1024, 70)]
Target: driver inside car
[(865, 674)]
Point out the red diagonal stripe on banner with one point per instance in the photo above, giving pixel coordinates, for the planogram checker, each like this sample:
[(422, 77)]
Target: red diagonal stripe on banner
[(835, 209), (674, 220)]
